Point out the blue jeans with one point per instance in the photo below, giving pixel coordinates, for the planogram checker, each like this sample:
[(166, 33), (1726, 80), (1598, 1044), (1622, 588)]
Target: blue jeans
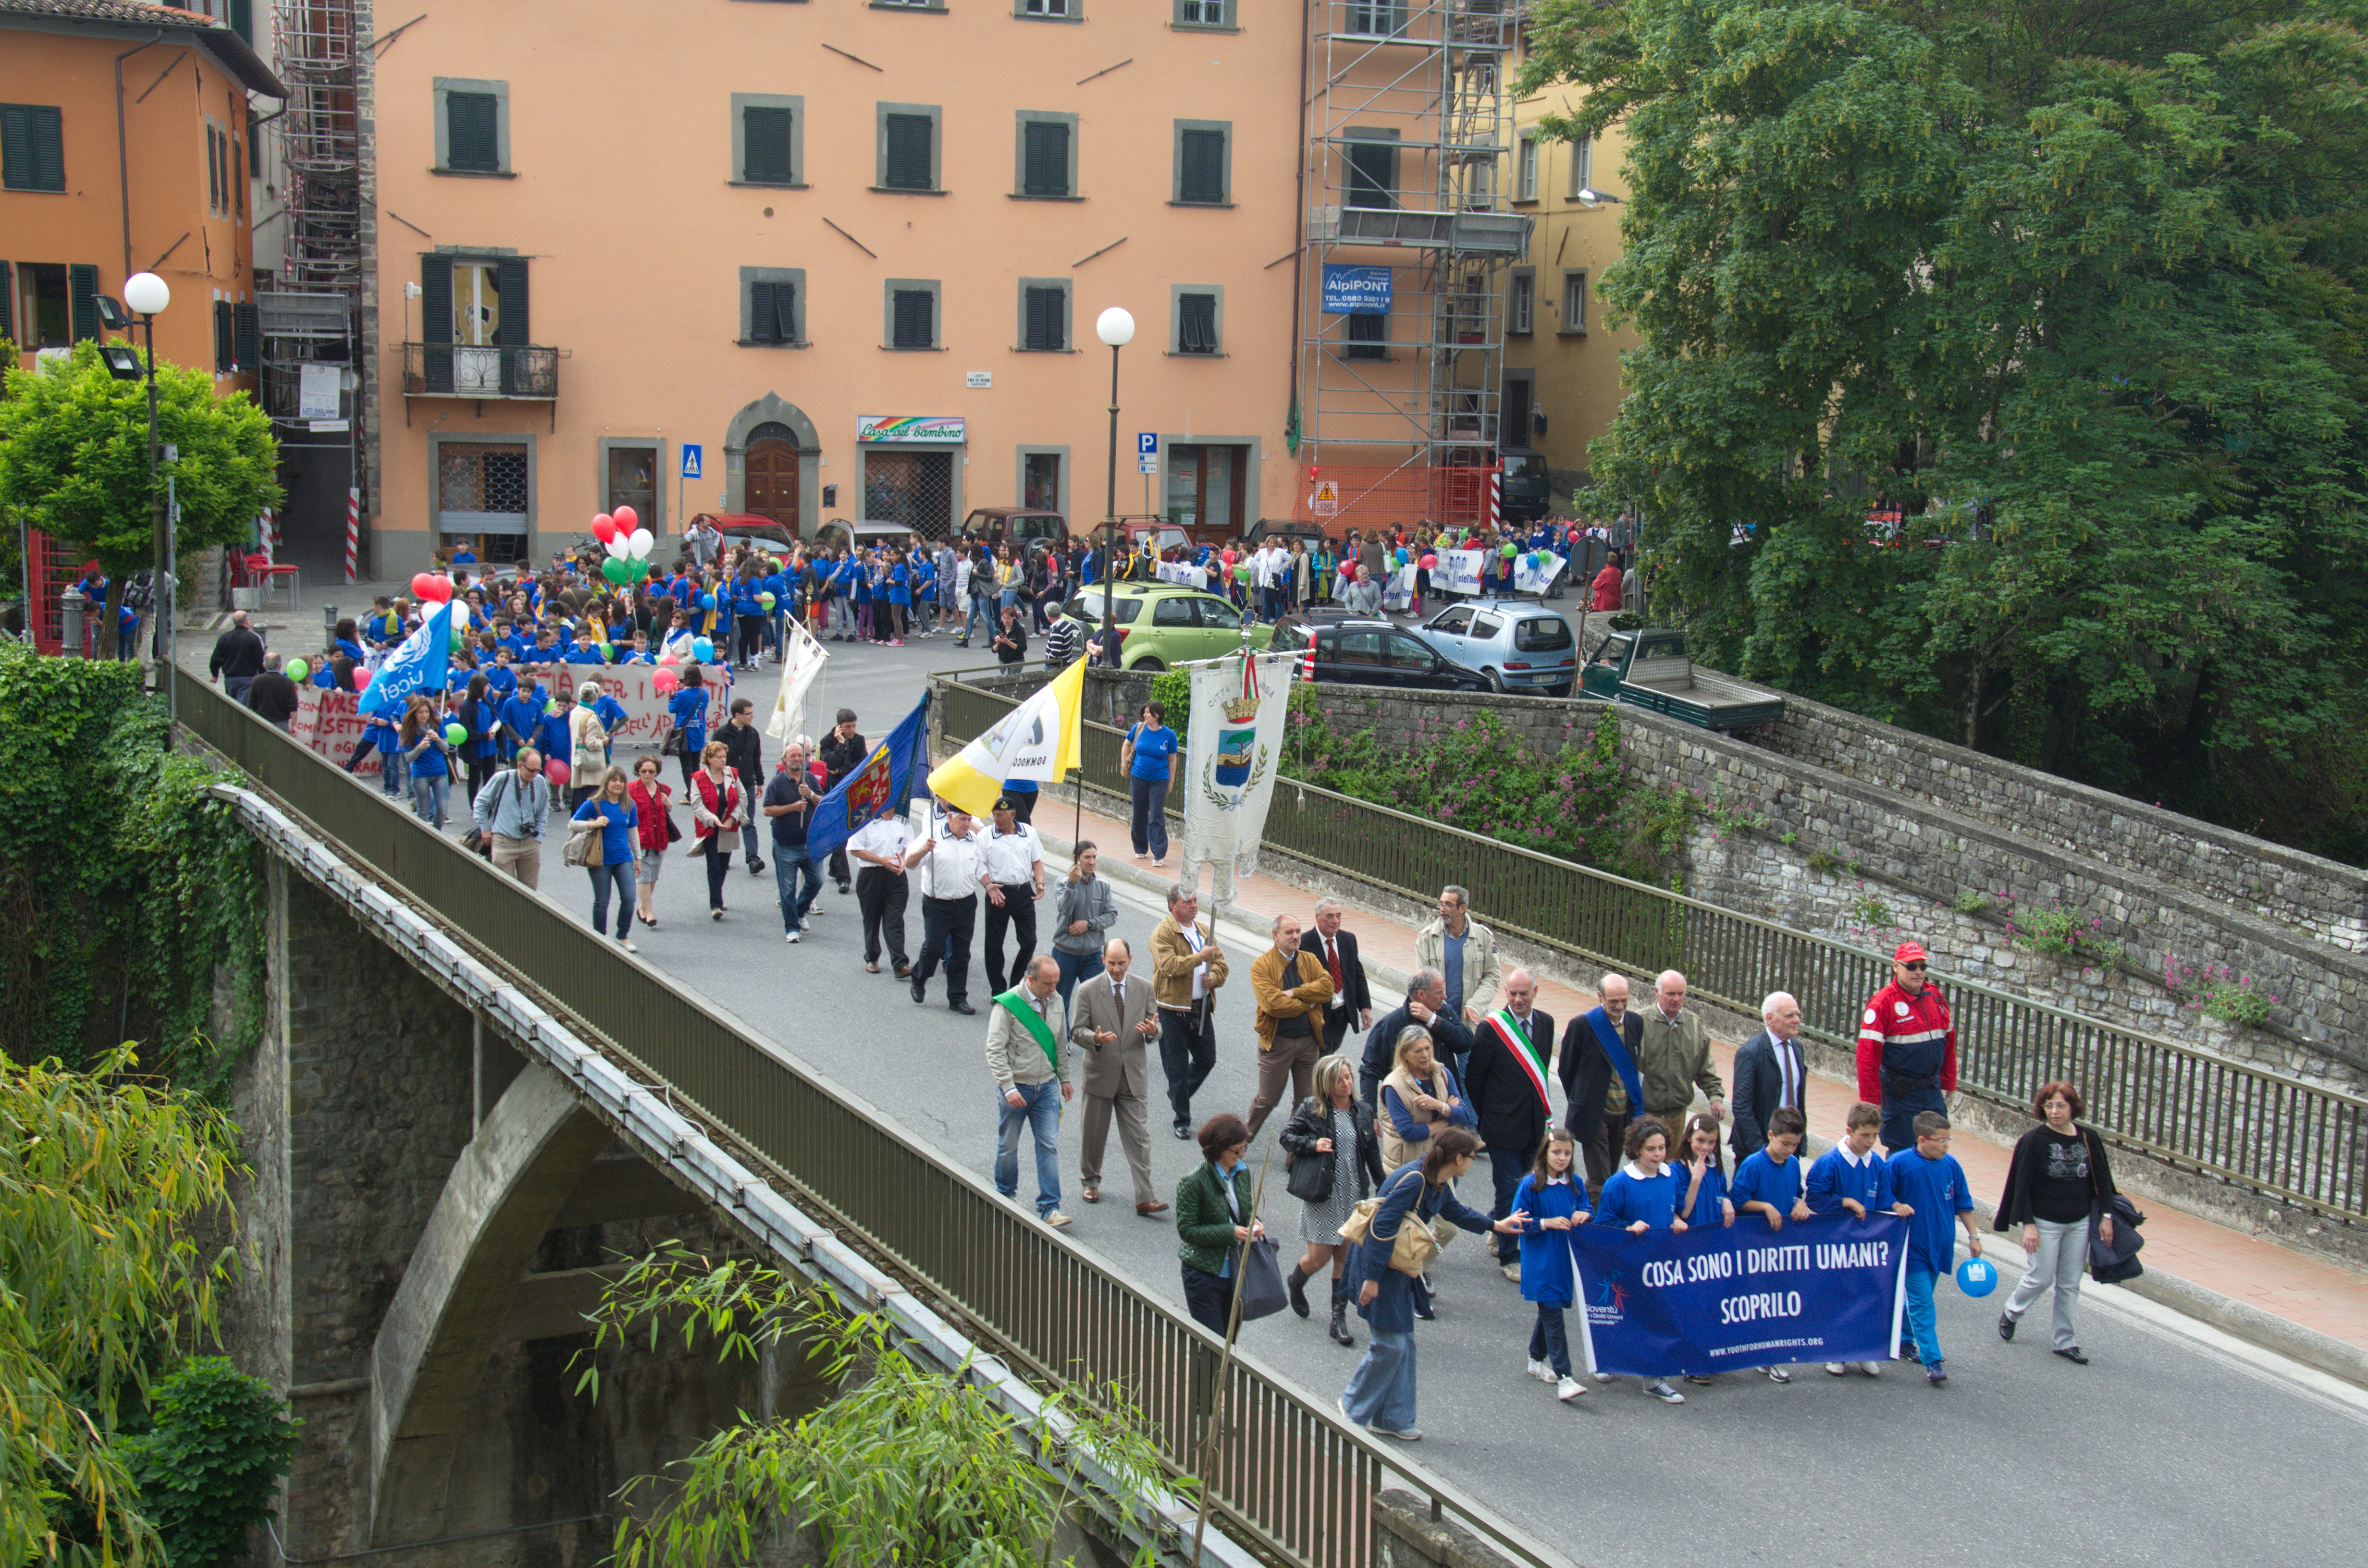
[(1549, 1343), (1040, 1111), (788, 859), (1380, 1391), (619, 876), (1074, 968), (390, 772), (429, 792), (1923, 1331), (1505, 1168), (1150, 824)]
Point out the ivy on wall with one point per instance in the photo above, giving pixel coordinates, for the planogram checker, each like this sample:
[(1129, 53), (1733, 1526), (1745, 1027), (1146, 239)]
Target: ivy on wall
[(126, 892)]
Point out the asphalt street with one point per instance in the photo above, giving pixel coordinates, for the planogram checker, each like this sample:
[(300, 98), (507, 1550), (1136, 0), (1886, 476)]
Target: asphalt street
[(2175, 1445)]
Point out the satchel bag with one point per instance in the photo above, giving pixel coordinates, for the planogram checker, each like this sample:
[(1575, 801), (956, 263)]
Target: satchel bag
[(584, 842), (672, 744), (1411, 1252), (1261, 1278)]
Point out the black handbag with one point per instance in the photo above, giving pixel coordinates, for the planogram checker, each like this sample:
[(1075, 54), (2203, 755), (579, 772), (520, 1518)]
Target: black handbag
[(1261, 1279)]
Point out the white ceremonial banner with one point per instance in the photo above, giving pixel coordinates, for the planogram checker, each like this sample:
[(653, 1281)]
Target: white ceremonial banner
[(1531, 578), (1183, 575), (1458, 570), (1397, 589), (801, 679), (1233, 753)]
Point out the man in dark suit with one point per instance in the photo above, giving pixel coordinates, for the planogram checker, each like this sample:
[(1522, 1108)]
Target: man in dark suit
[(1507, 1080), (1426, 1004), (1351, 1002), (1598, 1100), (1770, 1072)]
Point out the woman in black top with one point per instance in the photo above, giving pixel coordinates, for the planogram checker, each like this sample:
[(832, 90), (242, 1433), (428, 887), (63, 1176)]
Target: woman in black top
[(2058, 1178)]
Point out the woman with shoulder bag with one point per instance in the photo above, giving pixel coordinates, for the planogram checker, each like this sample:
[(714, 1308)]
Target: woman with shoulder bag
[(715, 816), (654, 828), (1215, 1214), (1380, 1393), (2057, 1181), (1335, 1164), (609, 852)]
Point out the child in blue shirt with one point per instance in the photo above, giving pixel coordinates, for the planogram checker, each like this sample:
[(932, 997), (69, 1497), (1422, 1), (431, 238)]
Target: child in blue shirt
[(1769, 1183), (1929, 1180), (1701, 1169), (1644, 1195), (1851, 1178), (522, 719), (1554, 1199)]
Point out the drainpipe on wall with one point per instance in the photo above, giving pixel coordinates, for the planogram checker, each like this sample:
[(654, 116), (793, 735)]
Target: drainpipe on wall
[(1298, 237), (123, 146)]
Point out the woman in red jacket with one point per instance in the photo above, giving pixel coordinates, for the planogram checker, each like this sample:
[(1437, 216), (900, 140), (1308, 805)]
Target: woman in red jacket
[(654, 830), (1607, 585), (715, 816)]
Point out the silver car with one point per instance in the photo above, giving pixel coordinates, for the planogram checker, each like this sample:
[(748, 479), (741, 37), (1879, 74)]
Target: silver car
[(1521, 646)]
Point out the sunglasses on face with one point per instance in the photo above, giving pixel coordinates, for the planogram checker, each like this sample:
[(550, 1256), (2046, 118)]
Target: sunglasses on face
[(1917, 967)]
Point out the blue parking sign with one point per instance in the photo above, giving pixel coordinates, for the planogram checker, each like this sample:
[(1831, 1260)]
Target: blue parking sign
[(1147, 444)]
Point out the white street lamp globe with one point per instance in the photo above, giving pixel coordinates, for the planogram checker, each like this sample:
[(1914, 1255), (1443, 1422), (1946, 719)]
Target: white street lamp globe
[(1115, 327), (146, 294)]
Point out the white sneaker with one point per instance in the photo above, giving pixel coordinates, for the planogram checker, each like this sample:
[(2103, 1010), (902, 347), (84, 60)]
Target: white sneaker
[(1511, 1272), (1570, 1387), (1402, 1434), (793, 936), (1541, 1371), (1836, 1369), (1056, 1218), (1872, 1369)]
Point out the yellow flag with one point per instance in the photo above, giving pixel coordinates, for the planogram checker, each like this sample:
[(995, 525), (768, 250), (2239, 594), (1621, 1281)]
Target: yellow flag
[(1039, 740)]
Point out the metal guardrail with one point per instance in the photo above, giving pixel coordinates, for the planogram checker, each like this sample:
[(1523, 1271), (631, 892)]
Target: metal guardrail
[(2276, 1134), (1289, 1475)]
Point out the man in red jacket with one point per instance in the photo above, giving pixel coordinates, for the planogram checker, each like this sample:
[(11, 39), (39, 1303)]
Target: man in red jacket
[(1907, 1049)]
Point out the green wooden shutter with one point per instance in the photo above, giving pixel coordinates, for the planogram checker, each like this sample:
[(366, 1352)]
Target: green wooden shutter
[(908, 152), (760, 312), (785, 312), (213, 168), (765, 135), (435, 323), (1195, 330), (472, 133), (772, 312), (1372, 173), (32, 147), (49, 150), (913, 318), (1203, 156), (1044, 320), (1048, 158), (512, 332), (7, 308), (247, 339), (83, 283), (226, 337)]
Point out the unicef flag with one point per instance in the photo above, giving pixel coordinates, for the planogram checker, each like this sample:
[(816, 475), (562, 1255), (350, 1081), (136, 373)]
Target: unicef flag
[(879, 786), (1714, 1298), (420, 664)]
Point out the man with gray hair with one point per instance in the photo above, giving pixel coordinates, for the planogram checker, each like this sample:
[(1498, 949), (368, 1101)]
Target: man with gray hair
[(1675, 1056), (1187, 968), (1114, 1023), (787, 802), (1352, 1001), (509, 811), (1464, 953), (1030, 1055), (273, 696), (1425, 1007), (1770, 1074)]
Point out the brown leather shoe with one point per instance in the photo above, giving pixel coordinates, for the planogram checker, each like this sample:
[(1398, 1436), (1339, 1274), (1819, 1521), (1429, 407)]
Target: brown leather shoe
[(1153, 1207), (1092, 1195)]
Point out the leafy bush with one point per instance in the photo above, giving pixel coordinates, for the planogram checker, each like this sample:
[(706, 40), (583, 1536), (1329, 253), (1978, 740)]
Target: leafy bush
[(2059, 932), (2219, 992), (207, 1467)]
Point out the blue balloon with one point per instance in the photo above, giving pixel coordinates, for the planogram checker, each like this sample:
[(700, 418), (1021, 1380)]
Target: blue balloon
[(702, 649), (1976, 1277), (707, 601)]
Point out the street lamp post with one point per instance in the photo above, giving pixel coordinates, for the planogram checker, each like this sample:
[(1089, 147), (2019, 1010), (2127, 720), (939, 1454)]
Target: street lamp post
[(1115, 327), (147, 295)]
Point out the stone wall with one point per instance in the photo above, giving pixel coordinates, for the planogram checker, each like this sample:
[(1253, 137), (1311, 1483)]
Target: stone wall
[(2321, 899)]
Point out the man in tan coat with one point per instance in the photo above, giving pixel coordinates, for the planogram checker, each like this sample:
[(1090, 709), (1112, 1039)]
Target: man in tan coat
[(1674, 1058), (1464, 951), (1187, 967), (1114, 1020), (1292, 988)]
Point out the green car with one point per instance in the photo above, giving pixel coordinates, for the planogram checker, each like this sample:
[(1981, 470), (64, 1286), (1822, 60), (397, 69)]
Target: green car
[(1162, 624)]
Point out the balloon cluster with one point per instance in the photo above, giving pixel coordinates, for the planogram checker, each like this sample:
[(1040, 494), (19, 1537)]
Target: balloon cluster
[(431, 587), (628, 545)]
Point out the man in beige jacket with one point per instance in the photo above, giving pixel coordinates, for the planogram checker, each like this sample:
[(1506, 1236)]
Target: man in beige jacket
[(1674, 1058), (1030, 1054), (1464, 951), (1292, 988), (1115, 1022), (1187, 967)]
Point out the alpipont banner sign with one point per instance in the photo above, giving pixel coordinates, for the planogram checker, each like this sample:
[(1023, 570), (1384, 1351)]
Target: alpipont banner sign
[(1713, 1299)]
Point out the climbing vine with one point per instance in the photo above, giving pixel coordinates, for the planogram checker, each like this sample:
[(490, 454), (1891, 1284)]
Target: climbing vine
[(128, 893)]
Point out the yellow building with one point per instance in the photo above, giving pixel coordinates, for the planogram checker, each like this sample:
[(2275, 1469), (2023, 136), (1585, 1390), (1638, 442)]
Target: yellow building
[(1562, 365)]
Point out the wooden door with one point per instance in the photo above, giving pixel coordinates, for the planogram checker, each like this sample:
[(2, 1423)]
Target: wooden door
[(772, 487)]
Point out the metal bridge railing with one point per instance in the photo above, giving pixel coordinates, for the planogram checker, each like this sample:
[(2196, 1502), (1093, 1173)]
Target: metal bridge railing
[(1289, 1474), (2276, 1134)]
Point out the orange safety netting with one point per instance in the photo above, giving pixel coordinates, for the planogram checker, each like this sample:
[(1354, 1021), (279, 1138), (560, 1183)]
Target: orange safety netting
[(1367, 497)]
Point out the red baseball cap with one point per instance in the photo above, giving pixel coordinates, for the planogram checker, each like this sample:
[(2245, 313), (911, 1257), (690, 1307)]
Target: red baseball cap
[(1908, 952)]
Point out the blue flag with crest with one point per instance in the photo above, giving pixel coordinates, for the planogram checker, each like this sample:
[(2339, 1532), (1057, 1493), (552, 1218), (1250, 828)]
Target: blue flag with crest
[(879, 786)]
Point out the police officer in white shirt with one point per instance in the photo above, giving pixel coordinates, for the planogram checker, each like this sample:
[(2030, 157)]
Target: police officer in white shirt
[(1014, 879), (950, 865), (879, 847)]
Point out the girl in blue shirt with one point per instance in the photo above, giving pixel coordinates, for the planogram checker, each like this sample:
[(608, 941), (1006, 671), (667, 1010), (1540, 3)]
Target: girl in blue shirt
[(1553, 1196), (687, 708), (900, 598), (379, 735), (1703, 1173), (1151, 751), (1644, 1195), (424, 751), (617, 815)]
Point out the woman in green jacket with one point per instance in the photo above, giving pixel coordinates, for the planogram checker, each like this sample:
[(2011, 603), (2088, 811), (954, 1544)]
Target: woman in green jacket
[(1212, 1218)]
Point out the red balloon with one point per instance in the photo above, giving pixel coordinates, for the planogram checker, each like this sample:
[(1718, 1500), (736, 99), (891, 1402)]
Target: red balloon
[(604, 528), (362, 679), (432, 587), (556, 771), (626, 519)]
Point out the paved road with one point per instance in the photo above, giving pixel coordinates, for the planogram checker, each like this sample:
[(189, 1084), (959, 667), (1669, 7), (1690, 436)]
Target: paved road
[(2176, 1445)]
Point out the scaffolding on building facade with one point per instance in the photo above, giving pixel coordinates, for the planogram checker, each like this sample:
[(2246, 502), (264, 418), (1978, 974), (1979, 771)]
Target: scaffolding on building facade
[(1409, 130)]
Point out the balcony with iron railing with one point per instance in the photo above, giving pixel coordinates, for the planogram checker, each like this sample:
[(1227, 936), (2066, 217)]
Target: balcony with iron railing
[(526, 372)]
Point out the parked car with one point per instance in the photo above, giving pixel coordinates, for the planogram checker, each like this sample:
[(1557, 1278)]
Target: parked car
[(1651, 669), (1161, 624), (1519, 644), (869, 532), (1357, 651), (1028, 528), (1286, 529), (1523, 492), (749, 527)]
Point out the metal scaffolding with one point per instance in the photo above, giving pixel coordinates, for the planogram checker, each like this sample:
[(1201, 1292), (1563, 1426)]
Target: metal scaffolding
[(1408, 134)]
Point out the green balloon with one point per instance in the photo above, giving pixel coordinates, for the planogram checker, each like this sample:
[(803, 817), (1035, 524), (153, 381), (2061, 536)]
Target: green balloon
[(298, 669), (614, 569), (1509, 553), (550, 705), (455, 733)]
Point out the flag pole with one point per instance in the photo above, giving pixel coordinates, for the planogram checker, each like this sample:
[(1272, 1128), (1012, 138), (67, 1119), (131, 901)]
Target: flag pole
[(1233, 1333)]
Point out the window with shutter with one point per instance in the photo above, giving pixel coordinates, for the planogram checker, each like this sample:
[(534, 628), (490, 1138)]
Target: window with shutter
[(1044, 321), (226, 337), (1048, 158), (1369, 337), (916, 320), (772, 312), (909, 136), (247, 344), (8, 303), (32, 147), (766, 134), (1200, 156), (82, 287), (472, 134), (436, 322), (1372, 173), (1521, 302), (1196, 326), (213, 168)]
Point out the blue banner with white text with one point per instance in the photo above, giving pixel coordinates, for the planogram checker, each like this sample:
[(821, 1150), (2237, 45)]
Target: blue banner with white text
[(1356, 291), (1714, 1298)]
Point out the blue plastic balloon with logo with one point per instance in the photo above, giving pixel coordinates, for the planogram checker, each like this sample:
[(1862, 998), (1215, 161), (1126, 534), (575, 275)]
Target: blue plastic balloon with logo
[(1976, 1277), (702, 649)]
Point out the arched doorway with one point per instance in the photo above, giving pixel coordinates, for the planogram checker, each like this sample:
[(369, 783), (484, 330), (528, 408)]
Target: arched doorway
[(772, 477)]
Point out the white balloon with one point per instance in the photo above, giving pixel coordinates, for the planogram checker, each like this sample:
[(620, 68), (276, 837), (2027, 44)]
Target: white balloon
[(643, 541)]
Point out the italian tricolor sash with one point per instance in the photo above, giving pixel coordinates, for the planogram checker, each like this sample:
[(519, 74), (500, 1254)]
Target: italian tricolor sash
[(1516, 1041), (1023, 1007)]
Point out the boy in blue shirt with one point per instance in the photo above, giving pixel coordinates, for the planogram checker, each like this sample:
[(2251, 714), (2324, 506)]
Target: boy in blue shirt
[(1769, 1183), (522, 719), (1850, 1178), (1928, 1178)]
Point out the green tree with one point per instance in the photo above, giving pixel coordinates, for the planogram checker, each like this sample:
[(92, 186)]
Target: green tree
[(73, 458), (2077, 286), (207, 1467), (101, 1175)]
